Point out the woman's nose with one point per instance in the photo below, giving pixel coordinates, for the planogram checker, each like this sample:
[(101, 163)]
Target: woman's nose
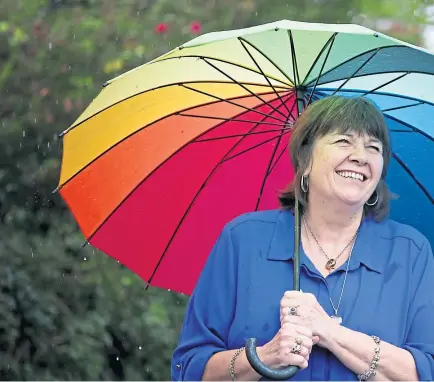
[(359, 154)]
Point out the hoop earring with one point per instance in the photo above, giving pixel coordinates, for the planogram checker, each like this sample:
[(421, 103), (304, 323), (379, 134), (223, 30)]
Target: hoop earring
[(304, 184), (375, 202)]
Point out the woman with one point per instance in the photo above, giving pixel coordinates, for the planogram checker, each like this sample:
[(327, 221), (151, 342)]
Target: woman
[(366, 307)]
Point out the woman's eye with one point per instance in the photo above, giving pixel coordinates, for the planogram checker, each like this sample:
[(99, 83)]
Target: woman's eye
[(343, 140), (375, 148)]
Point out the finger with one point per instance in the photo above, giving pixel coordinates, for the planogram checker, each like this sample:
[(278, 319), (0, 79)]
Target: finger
[(305, 343), (292, 294), (288, 330), (303, 330), (285, 302), (315, 339), (293, 320), (296, 360)]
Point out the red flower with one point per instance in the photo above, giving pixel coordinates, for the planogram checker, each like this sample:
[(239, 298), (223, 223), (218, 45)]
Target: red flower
[(43, 92), (161, 28), (195, 27)]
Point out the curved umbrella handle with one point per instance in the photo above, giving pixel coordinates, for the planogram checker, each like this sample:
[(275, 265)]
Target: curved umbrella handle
[(252, 355), (262, 369)]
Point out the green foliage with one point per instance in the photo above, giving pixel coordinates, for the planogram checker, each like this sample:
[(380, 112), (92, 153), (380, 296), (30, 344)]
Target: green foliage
[(68, 312)]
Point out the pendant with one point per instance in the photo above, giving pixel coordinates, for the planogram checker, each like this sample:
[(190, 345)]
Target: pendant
[(330, 264), (337, 318)]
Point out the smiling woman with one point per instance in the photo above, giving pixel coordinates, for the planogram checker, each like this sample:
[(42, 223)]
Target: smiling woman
[(367, 306), (348, 136)]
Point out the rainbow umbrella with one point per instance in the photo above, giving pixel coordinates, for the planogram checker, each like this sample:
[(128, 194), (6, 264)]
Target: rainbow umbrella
[(169, 152)]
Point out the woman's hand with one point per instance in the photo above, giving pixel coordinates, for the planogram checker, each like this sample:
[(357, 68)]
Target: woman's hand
[(291, 346), (303, 309)]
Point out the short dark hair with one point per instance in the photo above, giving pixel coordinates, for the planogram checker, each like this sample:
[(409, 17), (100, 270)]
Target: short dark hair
[(341, 115)]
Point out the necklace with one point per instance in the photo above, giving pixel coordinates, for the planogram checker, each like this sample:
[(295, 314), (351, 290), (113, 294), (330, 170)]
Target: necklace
[(331, 263), (336, 316)]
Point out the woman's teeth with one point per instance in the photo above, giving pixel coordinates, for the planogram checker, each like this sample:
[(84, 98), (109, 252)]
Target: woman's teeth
[(352, 175)]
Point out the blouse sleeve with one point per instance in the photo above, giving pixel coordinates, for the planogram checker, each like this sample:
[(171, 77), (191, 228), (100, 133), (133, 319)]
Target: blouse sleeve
[(420, 338), (209, 313)]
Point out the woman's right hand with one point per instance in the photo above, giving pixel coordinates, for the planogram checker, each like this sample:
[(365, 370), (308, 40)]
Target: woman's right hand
[(279, 352)]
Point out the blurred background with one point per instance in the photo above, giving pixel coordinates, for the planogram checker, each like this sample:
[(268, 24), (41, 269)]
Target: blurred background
[(68, 312)]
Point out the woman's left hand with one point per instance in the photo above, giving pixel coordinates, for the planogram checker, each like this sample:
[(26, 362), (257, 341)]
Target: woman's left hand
[(309, 313)]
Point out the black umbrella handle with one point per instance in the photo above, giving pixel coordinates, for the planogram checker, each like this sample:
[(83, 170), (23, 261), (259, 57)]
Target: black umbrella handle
[(262, 369), (252, 355)]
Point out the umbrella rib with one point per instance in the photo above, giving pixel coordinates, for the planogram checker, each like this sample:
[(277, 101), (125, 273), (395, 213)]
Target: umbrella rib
[(228, 119), (278, 159), (242, 135), (240, 84), (356, 71), (162, 87), (332, 37), (396, 95), (331, 41), (256, 146), (412, 176), (353, 58), (402, 131), (267, 171), (231, 102), (268, 58), (225, 62), (262, 72), (140, 129), (383, 85), (283, 151), (403, 107), (294, 60), (192, 202), (415, 129)]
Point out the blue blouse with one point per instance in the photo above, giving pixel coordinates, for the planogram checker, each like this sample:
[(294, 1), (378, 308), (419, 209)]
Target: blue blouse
[(389, 293)]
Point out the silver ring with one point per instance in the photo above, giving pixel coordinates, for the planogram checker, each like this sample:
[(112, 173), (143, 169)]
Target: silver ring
[(292, 311), (296, 349)]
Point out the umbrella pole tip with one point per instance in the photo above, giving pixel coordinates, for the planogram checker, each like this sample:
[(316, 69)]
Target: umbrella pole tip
[(56, 190)]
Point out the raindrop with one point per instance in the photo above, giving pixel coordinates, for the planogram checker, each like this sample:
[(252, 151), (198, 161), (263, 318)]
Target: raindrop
[(168, 290), (117, 358), (48, 144), (36, 120), (50, 45), (24, 133), (140, 348), (85, 258), (138, 13), (32, 252)]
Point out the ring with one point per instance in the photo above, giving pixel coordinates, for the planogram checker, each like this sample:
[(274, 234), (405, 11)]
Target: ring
[(296, 349), (298, 340), (293, 311)]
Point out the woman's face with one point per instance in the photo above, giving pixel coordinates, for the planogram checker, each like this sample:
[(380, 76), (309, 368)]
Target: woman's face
[(346, 167)]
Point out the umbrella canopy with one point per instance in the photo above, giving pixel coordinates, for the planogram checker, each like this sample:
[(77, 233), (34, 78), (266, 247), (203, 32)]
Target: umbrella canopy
[(169, 152)]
